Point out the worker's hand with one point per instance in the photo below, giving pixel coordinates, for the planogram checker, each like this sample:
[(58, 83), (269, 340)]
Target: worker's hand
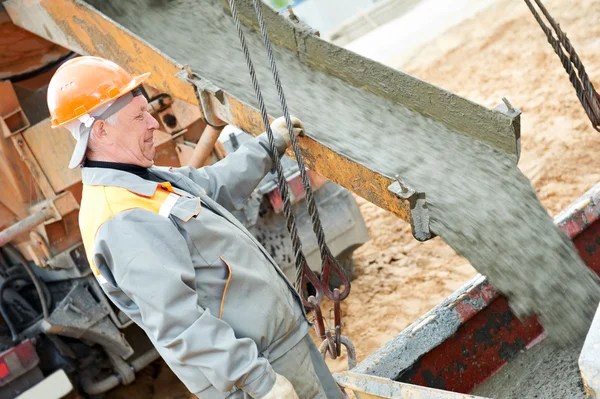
[(280, 127), (283, 389)]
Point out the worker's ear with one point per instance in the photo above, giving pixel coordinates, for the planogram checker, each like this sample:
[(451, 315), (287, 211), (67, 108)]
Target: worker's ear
[(99, 129)]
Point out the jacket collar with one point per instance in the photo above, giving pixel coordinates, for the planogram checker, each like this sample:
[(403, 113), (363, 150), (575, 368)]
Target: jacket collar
[(126, 180)]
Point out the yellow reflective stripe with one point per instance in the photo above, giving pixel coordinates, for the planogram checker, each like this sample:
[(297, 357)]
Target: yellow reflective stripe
[(101, 203)]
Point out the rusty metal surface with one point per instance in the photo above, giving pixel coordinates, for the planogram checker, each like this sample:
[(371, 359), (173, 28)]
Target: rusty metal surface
[(9, 102), (581, 214), (589, 360), (580, 221), (25, 225), (22, 52), (34, 167), (472, 334), (78, 27), (58, 213), (429, 332), (52, 149), (61, 205), (478, 349), (7, 217), (167, 152), (10, 110), (15, 178), (63, 234), (371, 387)]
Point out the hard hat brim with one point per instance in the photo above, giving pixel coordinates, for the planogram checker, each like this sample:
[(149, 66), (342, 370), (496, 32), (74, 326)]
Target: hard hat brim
[(135, 82)]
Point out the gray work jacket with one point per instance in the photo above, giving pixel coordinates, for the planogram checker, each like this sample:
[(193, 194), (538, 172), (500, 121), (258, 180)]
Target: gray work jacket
[(208, 295)]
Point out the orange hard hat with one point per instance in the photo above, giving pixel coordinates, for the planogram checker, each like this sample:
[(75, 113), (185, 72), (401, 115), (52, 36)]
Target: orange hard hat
[(84, 84)]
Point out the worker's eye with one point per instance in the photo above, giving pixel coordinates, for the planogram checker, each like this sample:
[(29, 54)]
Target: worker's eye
[(140, 117)]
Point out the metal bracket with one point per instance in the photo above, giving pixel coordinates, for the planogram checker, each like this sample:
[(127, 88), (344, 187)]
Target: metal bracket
[(419, 214), (211, 99), (507, 109), (80, 315), (60, 205), (125, 372)]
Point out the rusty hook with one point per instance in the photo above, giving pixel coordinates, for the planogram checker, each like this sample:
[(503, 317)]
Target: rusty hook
[(330, 265), (309, 276), (337, 314), (319, 323), (350, 350), (331, 345)]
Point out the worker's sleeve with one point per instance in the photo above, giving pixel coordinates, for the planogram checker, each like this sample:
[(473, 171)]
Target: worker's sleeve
[(231, 181), (151, 265)]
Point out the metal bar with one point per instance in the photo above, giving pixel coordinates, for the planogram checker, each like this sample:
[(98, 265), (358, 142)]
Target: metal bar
[(25, 225), (34, 167), (112, 381), (371, 387)]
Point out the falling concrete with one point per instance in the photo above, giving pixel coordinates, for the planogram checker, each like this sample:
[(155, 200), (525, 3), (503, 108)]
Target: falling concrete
[(544, 371), (479, 202)]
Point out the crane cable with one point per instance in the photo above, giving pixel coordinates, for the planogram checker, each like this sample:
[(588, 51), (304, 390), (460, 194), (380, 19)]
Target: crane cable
[(332, 338), (587, 95)]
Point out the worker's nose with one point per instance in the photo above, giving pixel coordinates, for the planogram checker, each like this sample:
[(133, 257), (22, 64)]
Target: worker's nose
[(152, 123)]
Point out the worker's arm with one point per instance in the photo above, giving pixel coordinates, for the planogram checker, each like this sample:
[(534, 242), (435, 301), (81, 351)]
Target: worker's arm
[(150, 262), (205, 146), (231, 180)]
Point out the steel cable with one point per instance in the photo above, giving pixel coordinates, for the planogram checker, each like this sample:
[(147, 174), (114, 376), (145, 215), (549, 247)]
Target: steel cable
[(583, 87), (300, 260)]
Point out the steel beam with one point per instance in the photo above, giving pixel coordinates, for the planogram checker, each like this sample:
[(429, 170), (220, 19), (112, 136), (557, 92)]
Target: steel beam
[(79, 27), (76, 25)]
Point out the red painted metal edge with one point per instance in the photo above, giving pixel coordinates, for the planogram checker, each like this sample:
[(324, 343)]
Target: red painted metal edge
[(472, 334)]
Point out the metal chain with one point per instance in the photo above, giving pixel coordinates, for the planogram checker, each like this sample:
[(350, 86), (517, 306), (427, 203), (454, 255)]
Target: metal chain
[(300, 260), (583, 86)]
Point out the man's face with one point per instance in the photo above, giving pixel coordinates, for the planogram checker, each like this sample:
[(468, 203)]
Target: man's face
[(131, 134)]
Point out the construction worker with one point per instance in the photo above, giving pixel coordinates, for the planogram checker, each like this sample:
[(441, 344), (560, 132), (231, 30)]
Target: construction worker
[(166, 251)]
